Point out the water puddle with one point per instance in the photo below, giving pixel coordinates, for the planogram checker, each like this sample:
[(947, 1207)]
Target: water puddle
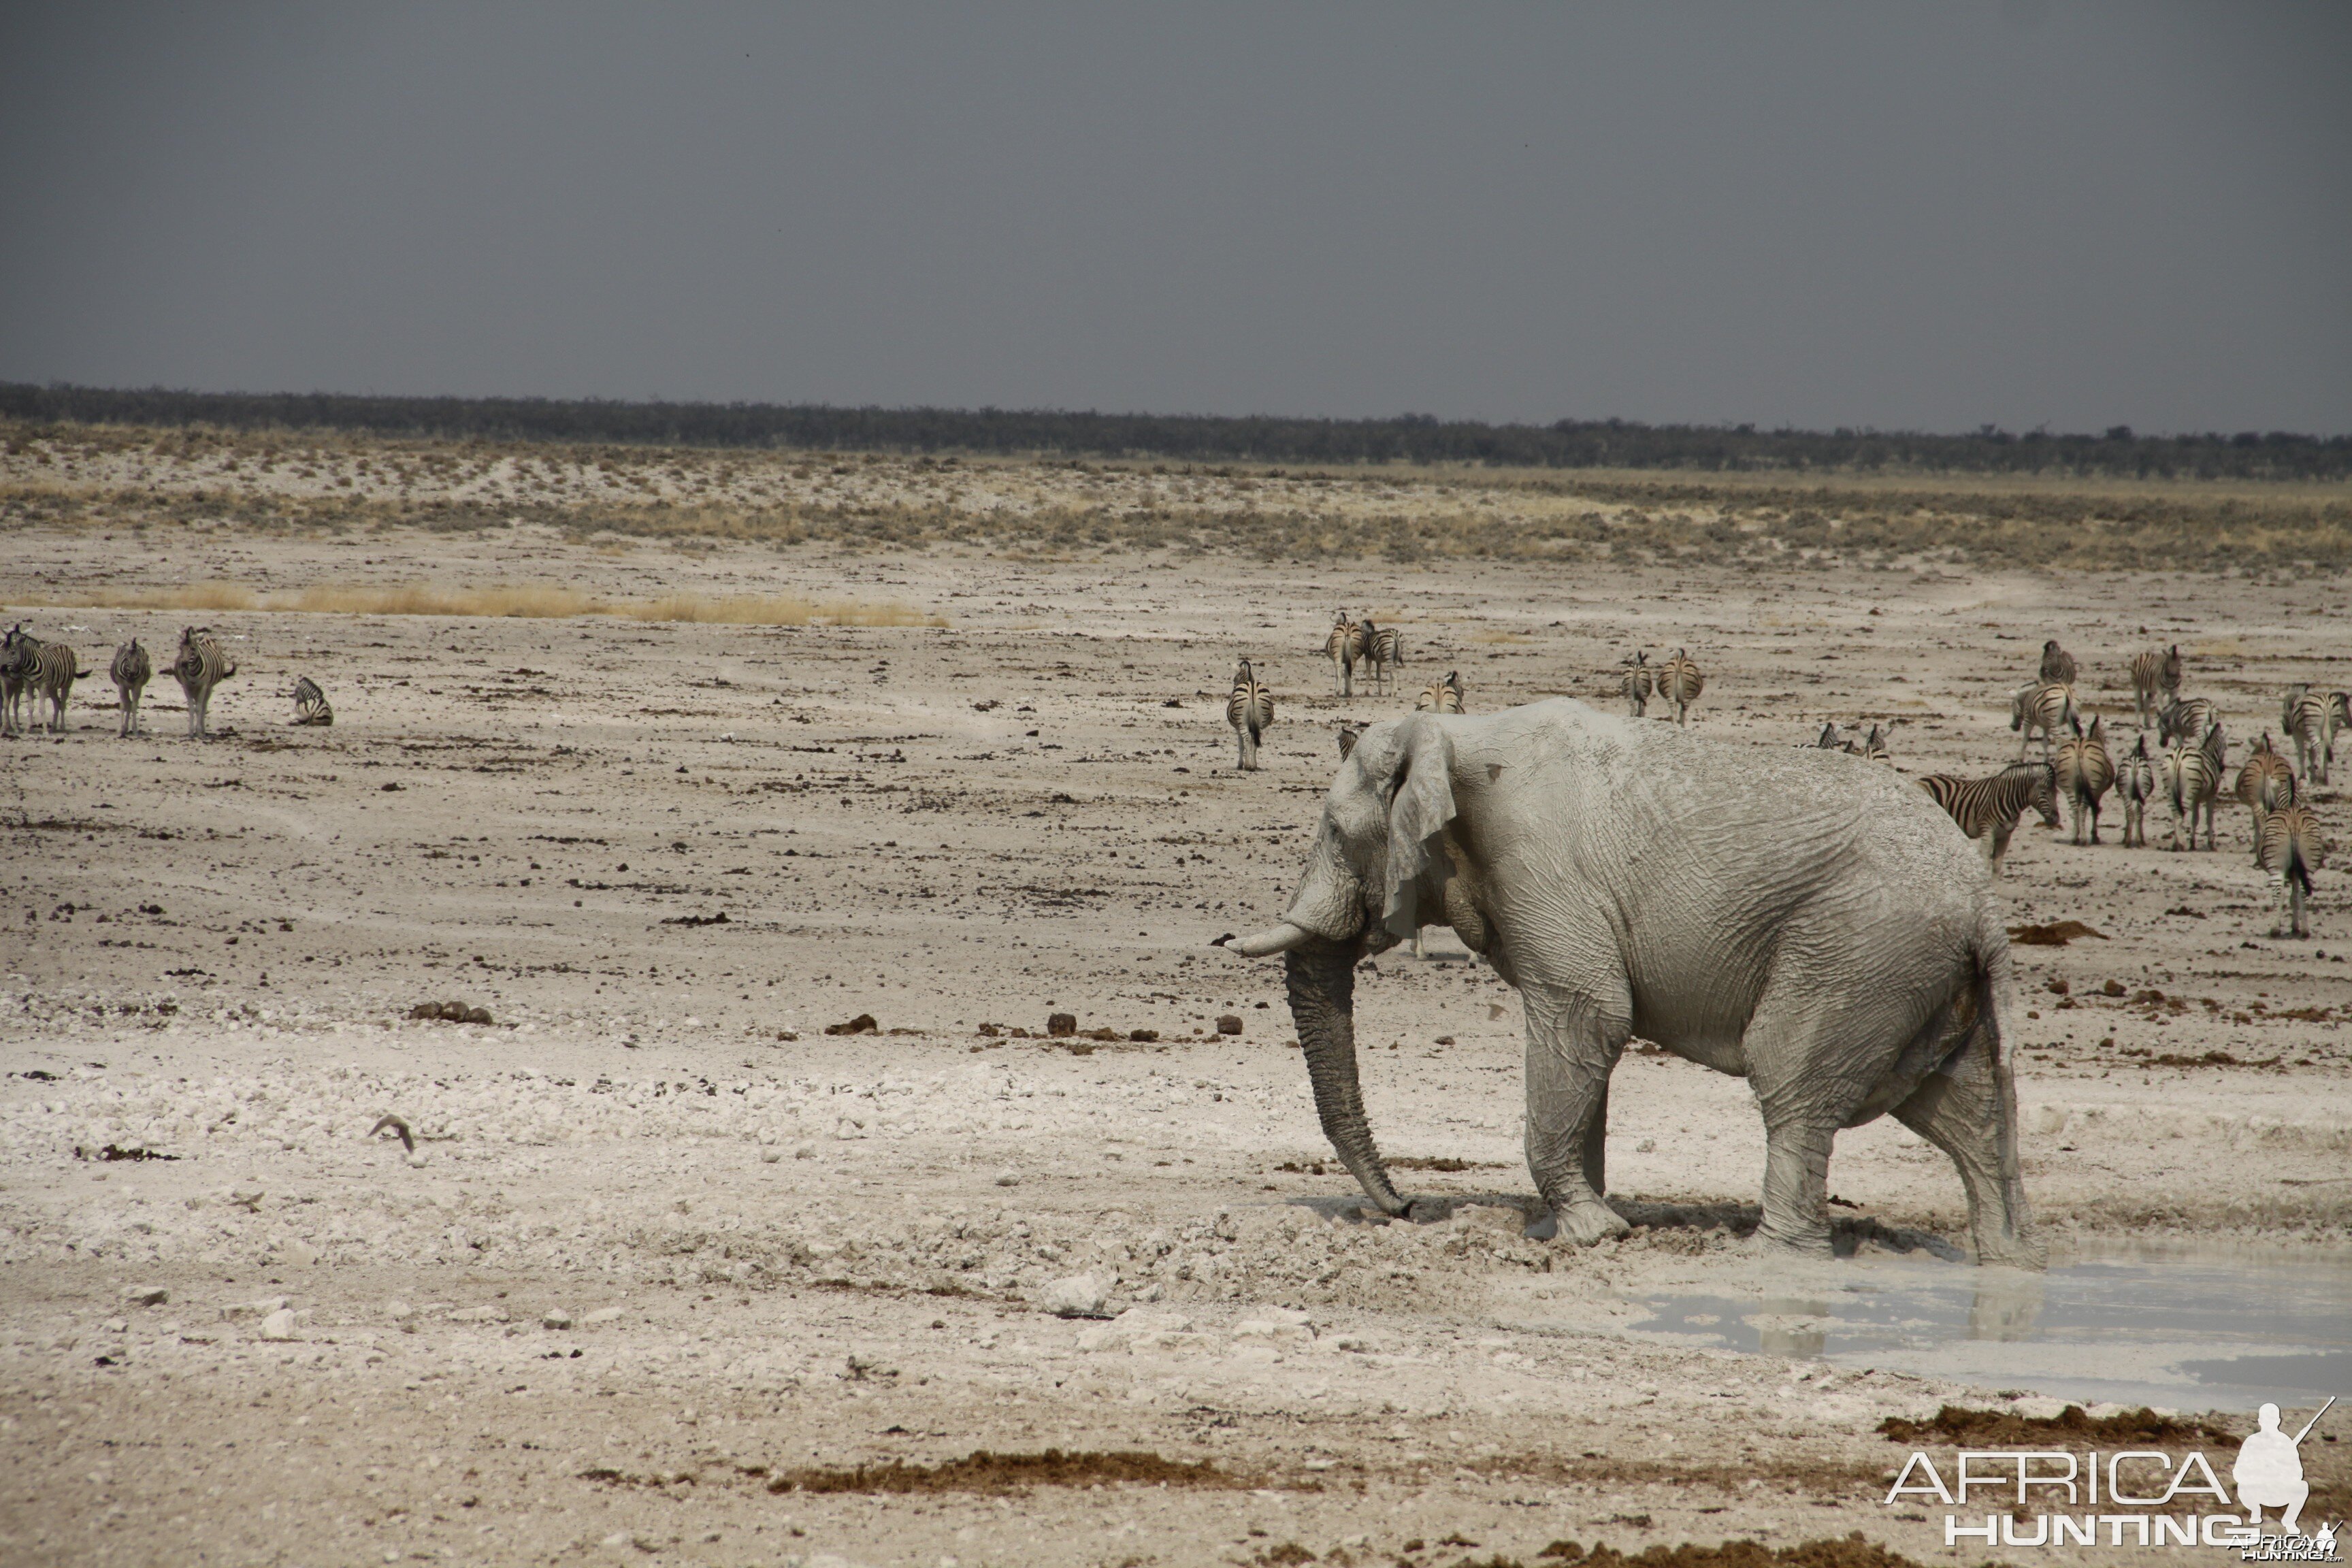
[(2189, 1331)]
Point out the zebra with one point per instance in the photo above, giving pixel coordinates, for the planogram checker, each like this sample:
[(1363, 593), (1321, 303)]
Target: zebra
[(19, 655), (311, 705), (130, 671), (201, 665), (1249, 711), (45, 671), (2084, 773), (1680, 682), (1988, 808), (2192, 781), (2180, 719), (2135, 787), (1440, 696), (1385, 646), (2155, 680), (1873, 746), (2057, 665), (1828, 741), (1344, 642), (2304, 715), (1636, 685), (2290, 847), (2265, 783), (2040, 705)]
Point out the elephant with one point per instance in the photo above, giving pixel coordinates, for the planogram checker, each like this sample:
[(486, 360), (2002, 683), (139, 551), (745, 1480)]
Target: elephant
[(1775, 913)]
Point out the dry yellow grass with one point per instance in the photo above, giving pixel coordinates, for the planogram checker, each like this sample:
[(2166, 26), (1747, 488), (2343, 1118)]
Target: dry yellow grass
[(526, 600)]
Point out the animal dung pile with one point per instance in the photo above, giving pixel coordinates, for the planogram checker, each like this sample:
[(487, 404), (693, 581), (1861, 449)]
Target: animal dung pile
[(450, 1013), (863, 1023)]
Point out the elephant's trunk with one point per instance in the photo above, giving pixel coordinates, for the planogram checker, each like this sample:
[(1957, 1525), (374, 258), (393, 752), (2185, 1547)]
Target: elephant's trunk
[(1322, 982)]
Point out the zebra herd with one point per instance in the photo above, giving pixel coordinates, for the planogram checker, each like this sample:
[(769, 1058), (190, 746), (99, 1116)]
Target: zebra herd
[(34, 671), (2079, 767), (1678, 680), (1249, 706)]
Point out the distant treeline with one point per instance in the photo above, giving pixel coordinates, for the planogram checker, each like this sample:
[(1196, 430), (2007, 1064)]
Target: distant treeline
[(1201, 439)]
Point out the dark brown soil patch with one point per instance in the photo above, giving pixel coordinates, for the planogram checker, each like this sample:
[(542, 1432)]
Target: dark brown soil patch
[(1853, 1551), (1955, 1425), (2057, 933), (986, 1472)]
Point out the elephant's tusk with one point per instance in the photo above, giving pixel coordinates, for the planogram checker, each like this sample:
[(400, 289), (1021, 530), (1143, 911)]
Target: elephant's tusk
[(1281, 938)]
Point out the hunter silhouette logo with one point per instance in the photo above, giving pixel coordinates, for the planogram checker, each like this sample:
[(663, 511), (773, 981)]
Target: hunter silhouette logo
[(2160, 1503)]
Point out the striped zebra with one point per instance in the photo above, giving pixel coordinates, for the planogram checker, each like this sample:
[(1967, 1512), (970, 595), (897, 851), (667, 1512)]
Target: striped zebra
[(2302, 714), (1249, 711), (19, 653), (1384, 647), (1636, 685), (2135, 787), (1680, 682), (2265, 783), (311, 705), (2184, 718), (2155, 680), (1344, 645), (2291, 847), (2193, 781), (47, 671), (1873, 746), (201, 665), (1986, 809), (2084, 773), (1828, 740), (131, 672), (2057, 665), (1440, 696), (2041, 705), (2339, 715)]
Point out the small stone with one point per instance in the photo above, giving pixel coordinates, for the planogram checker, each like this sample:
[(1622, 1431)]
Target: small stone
[(278, 1325), (249, 1196), (1229, 1024), (602, 1316), (147, 1295), (482, 1314), (1008, 1179), (302, 1252), (770, 1156), (1646, 1146), (117, 1325), (398, 1311), (419, 1157), (1062, 1024), (1078, 1296), (555, 1318), (262, 1308), (803, 1151)]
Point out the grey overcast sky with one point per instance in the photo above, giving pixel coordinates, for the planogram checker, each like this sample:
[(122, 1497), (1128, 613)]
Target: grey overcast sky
[(1901, 214)]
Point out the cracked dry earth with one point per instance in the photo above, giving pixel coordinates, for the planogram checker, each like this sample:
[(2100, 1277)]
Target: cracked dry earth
[(670, 1263)]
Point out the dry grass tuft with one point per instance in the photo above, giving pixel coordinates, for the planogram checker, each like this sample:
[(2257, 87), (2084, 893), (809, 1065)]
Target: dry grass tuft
[(528, 601)]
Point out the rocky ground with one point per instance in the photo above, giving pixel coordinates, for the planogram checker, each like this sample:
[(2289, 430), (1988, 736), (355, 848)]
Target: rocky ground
[(674, 1272)]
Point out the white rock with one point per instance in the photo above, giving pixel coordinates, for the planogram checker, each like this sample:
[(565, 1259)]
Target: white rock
[(1078, 1296), (147, 1295), (302, 1252), (2050, 1119), (1008, 1178), (278, 1325), (260, 1309), (770, 1156), (483, 1314), (398, 1311), (555, 1318), (419, 1157), (601, 1316)]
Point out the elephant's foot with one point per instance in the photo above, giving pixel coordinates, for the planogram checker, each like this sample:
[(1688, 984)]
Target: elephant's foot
[(1794, 1241), (2024, 1252), (1589, 1222)]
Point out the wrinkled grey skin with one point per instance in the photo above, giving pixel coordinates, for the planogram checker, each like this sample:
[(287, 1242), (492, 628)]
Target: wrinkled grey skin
[(1773, 912)]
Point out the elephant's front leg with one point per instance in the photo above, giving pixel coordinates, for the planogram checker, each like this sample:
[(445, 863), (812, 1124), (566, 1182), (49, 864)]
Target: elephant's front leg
[(1797, 1184), (1573, 1044)]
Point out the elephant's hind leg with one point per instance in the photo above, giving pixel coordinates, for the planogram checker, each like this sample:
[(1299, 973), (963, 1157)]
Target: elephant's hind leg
[(1573, 1043), (1969, 1109)]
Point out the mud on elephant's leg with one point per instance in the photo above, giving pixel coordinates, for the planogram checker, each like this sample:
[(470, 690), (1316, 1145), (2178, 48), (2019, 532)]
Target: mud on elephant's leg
[(1797, 1186), (1572, 1046)]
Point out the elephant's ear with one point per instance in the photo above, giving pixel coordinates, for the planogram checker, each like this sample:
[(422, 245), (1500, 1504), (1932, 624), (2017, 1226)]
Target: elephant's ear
[(1422, 803)]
